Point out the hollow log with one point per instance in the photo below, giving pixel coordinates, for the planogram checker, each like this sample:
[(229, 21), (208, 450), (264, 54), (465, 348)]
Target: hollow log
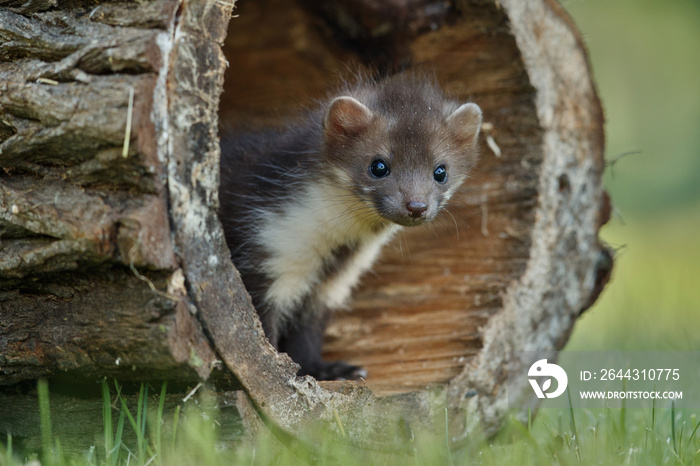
[(113, 261)]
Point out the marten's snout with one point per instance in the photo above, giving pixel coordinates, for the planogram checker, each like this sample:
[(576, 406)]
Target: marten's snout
[(416, 209)]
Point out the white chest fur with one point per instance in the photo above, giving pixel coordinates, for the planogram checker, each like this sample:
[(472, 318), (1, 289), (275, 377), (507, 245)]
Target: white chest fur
[(301, 239)]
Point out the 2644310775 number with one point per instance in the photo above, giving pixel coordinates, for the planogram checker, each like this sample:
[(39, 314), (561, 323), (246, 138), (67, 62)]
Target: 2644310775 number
[(640, 374)]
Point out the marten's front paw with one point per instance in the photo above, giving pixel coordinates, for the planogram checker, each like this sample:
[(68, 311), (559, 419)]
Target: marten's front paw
[(336, 370)]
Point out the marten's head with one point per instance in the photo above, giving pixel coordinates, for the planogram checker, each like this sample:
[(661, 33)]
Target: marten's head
[(400, 146)]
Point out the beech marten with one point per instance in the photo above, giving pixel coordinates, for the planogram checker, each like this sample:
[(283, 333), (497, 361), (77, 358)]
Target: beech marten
[(307, 208)]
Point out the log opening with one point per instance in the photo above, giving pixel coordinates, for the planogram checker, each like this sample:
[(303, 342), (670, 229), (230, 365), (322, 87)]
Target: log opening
[(87, 233), (417, 319)]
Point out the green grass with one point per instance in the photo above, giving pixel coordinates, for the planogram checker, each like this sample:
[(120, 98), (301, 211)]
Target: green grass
[(574, 436)]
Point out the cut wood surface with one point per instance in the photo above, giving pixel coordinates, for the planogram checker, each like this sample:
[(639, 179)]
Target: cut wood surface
[(114, 264)]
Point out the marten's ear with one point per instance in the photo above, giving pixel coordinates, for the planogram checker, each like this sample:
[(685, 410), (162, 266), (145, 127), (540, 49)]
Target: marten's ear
[(346, 117), (464, 123)]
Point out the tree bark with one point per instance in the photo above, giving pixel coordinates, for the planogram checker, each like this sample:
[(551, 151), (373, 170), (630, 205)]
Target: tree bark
[(117, 265), (84, 222)]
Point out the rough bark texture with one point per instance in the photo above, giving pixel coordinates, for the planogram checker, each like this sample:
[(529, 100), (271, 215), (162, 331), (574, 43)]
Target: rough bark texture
[(85, 230), (118, 265)]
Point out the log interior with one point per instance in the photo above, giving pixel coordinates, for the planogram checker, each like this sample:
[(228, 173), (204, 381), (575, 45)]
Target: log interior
[(416, 319)]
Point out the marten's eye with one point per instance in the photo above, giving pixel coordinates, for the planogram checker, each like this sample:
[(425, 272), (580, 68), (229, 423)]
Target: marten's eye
[(379, 168), (440, 174)]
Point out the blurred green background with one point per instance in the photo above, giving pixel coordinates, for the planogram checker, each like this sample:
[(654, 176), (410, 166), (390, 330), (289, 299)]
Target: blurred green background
[(646, 63)]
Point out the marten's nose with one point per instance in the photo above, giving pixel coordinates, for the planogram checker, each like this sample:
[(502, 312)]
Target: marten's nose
[(416, 208)]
